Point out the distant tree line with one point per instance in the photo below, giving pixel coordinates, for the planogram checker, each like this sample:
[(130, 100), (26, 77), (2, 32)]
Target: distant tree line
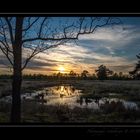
[(102, 73)]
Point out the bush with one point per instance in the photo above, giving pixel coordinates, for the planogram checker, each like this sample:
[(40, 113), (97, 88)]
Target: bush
[(113, 107)]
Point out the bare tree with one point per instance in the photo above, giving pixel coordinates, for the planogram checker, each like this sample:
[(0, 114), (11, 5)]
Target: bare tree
[(37, 34)]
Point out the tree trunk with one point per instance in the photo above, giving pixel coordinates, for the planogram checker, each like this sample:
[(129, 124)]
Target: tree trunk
[(17, 72)]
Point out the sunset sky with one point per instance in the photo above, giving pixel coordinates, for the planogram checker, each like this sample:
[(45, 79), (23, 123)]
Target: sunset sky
[(115, 47)]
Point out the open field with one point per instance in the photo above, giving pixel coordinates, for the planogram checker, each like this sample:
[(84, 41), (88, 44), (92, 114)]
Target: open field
[(109, 112), (87, 85)]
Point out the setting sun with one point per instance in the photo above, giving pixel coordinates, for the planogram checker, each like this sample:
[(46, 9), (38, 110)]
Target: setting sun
[(61, 69)]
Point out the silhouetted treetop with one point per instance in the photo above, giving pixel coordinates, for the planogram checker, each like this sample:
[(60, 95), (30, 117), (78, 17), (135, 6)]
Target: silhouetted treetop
[(137, 67), (103, 72)]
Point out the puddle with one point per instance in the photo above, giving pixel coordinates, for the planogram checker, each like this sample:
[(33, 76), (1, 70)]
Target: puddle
[(69, 95)]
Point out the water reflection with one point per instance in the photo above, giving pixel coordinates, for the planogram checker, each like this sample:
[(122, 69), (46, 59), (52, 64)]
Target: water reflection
[(68, 94), (65, 94), (95, 103)]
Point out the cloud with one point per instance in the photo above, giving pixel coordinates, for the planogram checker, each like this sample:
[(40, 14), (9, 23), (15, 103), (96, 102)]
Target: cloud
[(34, 63), (115, 48), (112, 34), (84, 57), (111, 40)]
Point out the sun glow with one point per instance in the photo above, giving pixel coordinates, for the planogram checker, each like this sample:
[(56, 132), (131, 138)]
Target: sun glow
[(61, 69)]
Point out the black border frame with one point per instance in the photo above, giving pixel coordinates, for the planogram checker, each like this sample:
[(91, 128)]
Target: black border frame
[(86, 129)]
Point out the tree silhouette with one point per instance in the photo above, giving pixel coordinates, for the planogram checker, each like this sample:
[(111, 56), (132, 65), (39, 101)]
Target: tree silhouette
[(103, 72), (72, 74), (84, 74), (59, 75), (94, 76), (114, 76), (38, 34), (135, 73)]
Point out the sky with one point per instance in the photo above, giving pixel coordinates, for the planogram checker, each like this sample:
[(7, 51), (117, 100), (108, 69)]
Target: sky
[(113, 46)]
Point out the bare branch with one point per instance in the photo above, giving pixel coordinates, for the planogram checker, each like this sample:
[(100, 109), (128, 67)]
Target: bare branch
[(38, 50), (29, 58), (31, 24), (92, 30), (5, 40), (69, 32), (41, 26), (6, 52), (70, 37), (10, 29)]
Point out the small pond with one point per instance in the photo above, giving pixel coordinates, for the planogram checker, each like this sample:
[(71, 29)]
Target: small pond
[(69, 95)]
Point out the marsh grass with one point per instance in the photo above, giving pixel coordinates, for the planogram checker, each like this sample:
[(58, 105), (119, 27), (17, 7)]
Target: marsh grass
[(4, 112), (33, 112), (38, 113), (128, 90), (113, 112), (112, 107)]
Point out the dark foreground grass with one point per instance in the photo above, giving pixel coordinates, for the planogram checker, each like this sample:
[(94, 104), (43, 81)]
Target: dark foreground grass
[(33, 112)]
